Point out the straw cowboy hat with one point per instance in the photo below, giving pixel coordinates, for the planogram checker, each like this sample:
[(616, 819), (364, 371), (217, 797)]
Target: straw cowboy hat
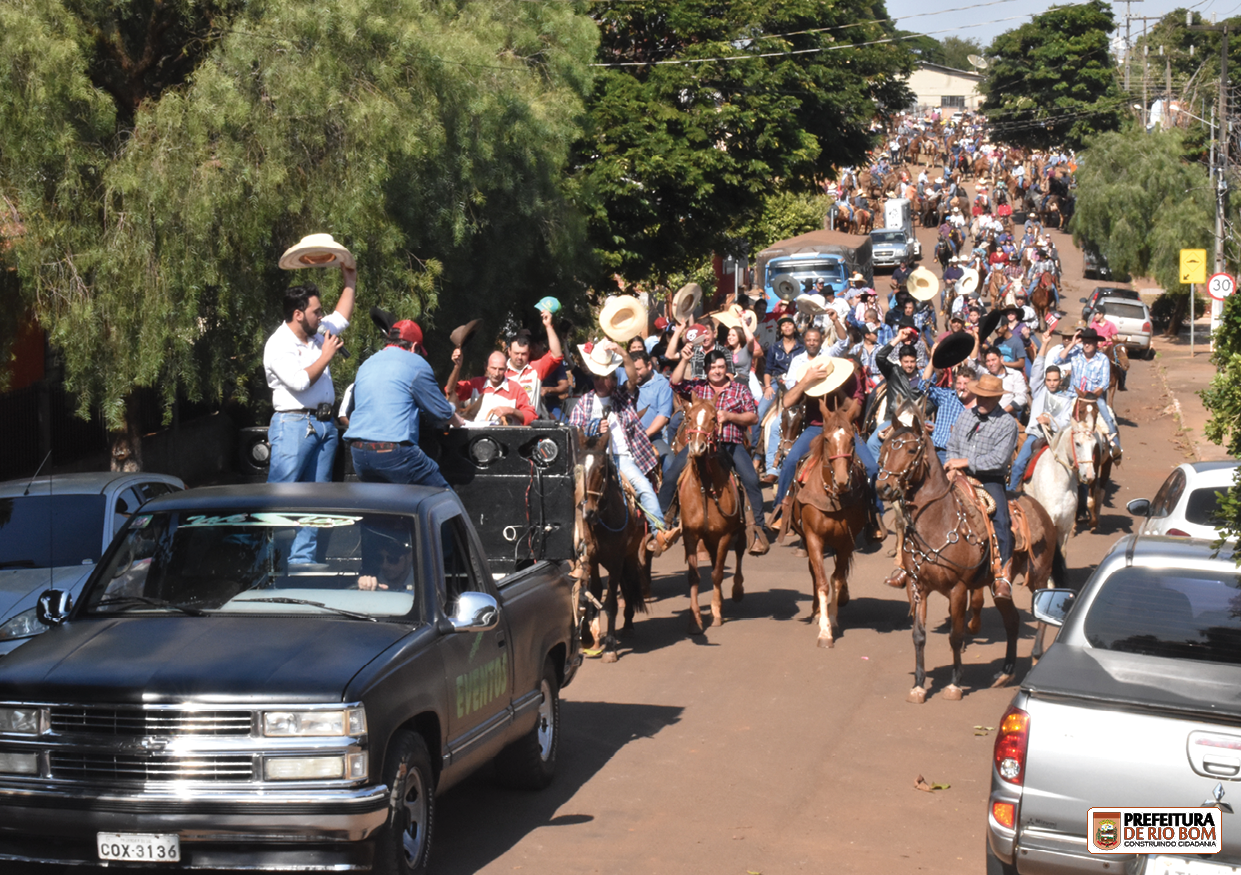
[(922, 284), (811, 305), (730, 317), (597, 360), (623, 318), (837, 370), (987, 386), (685, 300), (857, 278), (785, 286), (316, 250), (751, 320), (969, 281)]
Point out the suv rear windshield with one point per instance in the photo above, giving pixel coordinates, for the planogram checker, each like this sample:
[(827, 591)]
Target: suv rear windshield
[(260, 562), (1169, 612), (1124, 309), (51, 531)]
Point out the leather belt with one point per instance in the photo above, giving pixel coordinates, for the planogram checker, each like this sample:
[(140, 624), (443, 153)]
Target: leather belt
[(301, 410), (380, 446)]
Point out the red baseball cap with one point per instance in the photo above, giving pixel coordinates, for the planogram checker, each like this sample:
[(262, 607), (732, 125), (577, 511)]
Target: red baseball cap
[(406, 330), (697, 333)]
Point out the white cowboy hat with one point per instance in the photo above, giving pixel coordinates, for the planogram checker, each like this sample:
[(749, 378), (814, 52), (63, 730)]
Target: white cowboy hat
[(922, 284), (838, 371), (751, 320), (316, 250), (811, 305), (685, 300), (597, 360), (623, 318), (857, 278), (939, 179), (969, 281), (730, 318)]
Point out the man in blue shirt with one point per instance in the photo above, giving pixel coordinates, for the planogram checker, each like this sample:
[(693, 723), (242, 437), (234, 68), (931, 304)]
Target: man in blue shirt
[(393, 388), (654, 403)]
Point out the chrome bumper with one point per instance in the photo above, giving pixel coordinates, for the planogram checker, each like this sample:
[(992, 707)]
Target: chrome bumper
[(1041, 852)]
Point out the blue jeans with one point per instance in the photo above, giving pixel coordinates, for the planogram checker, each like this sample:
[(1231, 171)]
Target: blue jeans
[(1003, 523), (773, 445), (407, 465), (801, 446), (1023, 459), (874, 442), (1106, 413), (646, 493), (734, 457), (764, 405), (302, 451)]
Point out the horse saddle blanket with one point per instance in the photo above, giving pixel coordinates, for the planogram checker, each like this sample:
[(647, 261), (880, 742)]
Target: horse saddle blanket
[(1028, 474)]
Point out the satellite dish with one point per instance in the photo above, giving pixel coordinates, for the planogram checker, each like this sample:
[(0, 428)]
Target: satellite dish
[(977, 61)]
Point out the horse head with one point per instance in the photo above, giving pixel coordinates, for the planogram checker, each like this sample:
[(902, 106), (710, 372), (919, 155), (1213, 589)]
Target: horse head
[(700, 427), (903, 455), (791, 419), (593, 474), (1088, 444), (838, 451)]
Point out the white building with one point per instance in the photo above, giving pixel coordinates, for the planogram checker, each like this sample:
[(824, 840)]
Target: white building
[(937, 87)]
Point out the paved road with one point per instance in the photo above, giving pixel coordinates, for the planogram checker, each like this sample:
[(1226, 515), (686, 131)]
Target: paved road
[(750, 750)]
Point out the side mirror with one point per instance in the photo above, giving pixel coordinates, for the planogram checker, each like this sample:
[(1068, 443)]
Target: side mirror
[(1051, 606), (475, 612), (1139, 507), (53, 607)]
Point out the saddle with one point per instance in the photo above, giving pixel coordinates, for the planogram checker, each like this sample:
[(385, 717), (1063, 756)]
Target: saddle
[(971, 490), (1040, 448)]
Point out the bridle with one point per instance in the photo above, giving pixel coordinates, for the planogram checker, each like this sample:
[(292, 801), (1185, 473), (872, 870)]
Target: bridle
[(601, 496), (914, 470), (833, 487)]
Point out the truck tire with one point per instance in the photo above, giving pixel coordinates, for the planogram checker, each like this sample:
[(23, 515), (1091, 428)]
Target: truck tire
[(529, 763), (404, 844)]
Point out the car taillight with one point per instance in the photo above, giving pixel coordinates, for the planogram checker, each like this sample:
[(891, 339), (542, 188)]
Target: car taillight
[(1005, 813), (1146, 328), (1010, 745), (1177, 533)]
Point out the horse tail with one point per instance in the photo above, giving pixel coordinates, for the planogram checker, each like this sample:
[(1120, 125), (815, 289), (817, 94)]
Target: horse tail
[(631, 589), (1059, 569)]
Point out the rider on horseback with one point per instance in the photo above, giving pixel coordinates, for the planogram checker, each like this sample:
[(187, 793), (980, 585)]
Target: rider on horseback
[(1052, 408), (1092, 374)]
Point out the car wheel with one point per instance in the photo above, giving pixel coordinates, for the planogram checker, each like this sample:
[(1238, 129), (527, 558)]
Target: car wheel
[(404, 844), (996, 866), (529, 763)]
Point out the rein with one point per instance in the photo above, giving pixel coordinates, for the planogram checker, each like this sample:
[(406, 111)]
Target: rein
[(602, 499)]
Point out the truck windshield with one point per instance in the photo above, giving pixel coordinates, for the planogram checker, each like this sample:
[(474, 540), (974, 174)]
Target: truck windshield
[(250, 562), (806, 272), (888, 236), (51, 531), (1169, 612)]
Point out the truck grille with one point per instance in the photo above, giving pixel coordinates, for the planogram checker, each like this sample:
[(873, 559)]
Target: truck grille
[(141, 722), (144, 768)]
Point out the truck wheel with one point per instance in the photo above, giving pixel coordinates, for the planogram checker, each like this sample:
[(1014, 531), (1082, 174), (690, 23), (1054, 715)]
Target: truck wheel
[(529, 763), (404, 844)]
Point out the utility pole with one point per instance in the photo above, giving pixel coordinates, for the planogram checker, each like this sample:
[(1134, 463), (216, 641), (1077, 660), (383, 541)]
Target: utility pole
[(1128, 40), (1221, 176)]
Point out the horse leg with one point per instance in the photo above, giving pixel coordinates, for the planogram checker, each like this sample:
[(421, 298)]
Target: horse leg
[(824, 596), (719, 560), (632, 569), (1008, 613), (1095, 499), (840, 586), (596, 628), (609, 610), (976, 601), (918, 694), (738, 578), (957, 599), (691, 562)]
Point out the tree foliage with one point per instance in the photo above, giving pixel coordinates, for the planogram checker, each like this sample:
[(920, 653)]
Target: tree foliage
[(161, 154), (956, 52), (1139, 203), (717, 104), (1052, 82), (1223, 399)]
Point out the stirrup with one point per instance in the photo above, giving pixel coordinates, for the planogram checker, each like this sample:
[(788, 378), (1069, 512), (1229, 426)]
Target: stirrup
[(758, 541)]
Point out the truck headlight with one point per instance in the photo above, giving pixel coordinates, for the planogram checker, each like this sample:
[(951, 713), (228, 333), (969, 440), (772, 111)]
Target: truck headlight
[(304, 724), (23, 625), (19, 763), (20, 721), (352, 766)]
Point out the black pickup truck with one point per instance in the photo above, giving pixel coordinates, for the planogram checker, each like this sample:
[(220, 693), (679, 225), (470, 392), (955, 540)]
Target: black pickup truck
[(279, 677)]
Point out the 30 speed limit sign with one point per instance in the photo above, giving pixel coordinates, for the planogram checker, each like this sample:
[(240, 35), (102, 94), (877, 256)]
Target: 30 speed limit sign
[(1220, 286)]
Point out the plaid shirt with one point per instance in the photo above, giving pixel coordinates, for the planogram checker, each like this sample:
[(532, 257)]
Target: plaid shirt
[(735, 398), (635, 435), (987, 442), (1089, 374), (946, 416)]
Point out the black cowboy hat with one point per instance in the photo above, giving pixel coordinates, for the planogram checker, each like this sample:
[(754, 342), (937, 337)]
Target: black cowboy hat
[(952, 350), (383, 320), (1089, 335), (992, 321)]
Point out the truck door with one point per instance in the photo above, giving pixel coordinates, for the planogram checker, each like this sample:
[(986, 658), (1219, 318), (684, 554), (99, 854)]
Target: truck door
[(478, 665)]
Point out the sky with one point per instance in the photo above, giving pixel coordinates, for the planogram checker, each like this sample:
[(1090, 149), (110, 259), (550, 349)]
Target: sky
[(984, 20)]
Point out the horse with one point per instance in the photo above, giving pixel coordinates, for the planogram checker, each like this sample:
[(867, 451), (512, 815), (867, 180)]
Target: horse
[(998, 290), (943, 252), (830, 509), (947, 548), (711, 512), (791, 421), (1041, 296), (614, 534), (1093, 454), (863, 222), (1053, 484), (1049, 213)]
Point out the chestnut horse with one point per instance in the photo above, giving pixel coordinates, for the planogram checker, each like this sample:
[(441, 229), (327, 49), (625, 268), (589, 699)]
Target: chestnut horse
[(830, 509), (711, 512), (1041, 297), (614, 535), (947, 548)]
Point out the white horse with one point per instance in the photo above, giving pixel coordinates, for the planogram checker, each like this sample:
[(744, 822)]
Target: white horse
[(1092, 455), (1053, 484)]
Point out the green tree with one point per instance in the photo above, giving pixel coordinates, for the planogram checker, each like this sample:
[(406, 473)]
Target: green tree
[(700, 109), (956, 52), (1223, 399), (1139, 203), (161, 154), (1052, 82)]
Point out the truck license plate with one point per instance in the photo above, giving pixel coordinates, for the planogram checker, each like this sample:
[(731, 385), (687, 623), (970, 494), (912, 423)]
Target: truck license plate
[(138, 847)]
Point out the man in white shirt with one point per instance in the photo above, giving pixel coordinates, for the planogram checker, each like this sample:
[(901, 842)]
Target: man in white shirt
[(302, 433)]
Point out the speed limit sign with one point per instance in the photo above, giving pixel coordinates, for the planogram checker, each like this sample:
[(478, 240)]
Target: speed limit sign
[(1220, 286)]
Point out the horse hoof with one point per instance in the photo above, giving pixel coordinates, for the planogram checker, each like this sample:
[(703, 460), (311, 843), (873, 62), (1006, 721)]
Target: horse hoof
[(842, 597), (738, 593), (610, 656), (827, 642), (801, 553), (917, 696), (974, 625), (953, 693), (1003, 679)]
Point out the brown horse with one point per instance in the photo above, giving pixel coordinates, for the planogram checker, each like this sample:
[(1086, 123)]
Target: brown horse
[(711, 512), (830, 509), (863, 222), (1041, 297), (947, 548), (614, 534)]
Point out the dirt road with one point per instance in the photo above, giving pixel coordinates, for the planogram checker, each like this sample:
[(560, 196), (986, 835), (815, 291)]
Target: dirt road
[(749, 750)]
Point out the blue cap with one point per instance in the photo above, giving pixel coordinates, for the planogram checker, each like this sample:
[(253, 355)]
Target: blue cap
[(550, 304)]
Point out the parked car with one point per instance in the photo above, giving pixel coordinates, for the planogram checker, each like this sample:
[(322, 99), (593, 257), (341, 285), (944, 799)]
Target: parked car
[(52, 532), (1133, 323), (1185, 505), (1135, 704), (1094, 265), (1101, 292), (211, 702)]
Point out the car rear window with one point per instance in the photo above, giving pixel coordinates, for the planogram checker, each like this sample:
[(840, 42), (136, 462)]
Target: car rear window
[(1125, 310), (1202, 506), (51, 531), (1169, 612)]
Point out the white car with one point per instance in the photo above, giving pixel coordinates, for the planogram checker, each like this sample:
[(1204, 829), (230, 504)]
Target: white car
[(1185, 505)]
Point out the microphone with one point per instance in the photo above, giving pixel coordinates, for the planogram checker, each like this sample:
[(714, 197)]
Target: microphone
[(342, 352)]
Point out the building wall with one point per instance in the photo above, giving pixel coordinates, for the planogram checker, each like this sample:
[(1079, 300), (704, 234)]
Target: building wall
[(941, 87)]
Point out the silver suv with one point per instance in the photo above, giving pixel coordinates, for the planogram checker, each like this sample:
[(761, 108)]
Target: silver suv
[(1133, 323)]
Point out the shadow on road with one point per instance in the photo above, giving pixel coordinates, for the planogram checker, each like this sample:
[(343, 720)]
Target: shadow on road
[(478, 821)]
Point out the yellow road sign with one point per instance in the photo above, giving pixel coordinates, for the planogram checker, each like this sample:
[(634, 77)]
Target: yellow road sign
[(1193, 266)]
